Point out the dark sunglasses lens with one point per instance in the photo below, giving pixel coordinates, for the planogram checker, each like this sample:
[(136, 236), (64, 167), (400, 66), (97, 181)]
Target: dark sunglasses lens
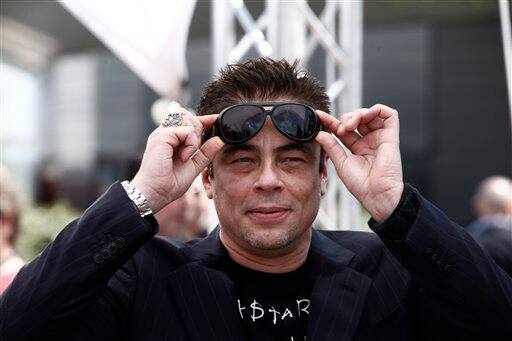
[(295, 121), (242, 122)]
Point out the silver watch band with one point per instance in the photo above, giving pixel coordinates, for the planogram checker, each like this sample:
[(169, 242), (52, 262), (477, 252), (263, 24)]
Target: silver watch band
[(138, 198)]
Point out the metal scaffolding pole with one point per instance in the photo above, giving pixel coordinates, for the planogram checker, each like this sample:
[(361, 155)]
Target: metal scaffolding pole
[(293, 30), (506, 36), (223, 37)]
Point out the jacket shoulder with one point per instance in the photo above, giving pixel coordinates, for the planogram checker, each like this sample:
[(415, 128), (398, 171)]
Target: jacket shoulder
[(159, 253), (359, 242), (390, 280), (371, 254)]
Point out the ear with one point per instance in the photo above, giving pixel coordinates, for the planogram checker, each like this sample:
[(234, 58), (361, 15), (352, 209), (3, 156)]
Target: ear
[(207, 182), (324, 175)]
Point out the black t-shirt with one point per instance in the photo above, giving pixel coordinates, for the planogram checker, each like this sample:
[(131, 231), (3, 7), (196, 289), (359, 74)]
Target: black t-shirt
[(272, 306)]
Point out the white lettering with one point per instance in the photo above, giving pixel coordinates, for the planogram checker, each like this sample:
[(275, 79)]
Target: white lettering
[(256, 306), (273, 310), (305, 309), (287, 312), (240, 308)]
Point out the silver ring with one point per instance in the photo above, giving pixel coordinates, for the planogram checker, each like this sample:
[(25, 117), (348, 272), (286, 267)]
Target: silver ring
[(173, 119)]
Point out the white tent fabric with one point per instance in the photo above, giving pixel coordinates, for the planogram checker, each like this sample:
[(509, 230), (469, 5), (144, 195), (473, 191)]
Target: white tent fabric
[(149, 36)]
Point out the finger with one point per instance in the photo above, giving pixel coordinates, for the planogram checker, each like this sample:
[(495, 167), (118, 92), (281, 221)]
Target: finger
[(384, 116), (174, 134), (383, 111), (363, 129), (343, 123), (333, 149), (328, 121), (206, 153), (198, 126), (182, 140), (187, 117), (370, 119), (190, 147), (376, 123), (207, 120), (344, 128), (380, 111), (349, 139), (350, 121)]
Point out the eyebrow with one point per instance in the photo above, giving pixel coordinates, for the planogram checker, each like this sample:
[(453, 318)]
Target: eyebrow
[(230, 149), (303, 147)]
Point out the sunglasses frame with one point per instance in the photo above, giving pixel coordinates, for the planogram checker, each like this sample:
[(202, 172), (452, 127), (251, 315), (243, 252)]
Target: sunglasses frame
[(268, 112)]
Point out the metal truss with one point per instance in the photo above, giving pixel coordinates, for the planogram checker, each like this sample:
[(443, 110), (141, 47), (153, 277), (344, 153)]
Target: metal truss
[(290, 29), (506, 36)]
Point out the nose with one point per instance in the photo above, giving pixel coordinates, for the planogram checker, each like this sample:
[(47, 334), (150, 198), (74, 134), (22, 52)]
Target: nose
[(268, 179)]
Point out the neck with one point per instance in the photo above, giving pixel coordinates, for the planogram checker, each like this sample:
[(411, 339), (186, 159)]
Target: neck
[(194, 231), (272, 261)]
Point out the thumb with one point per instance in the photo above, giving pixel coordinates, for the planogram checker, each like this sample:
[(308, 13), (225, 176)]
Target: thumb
[(332, 147), (206, 153)]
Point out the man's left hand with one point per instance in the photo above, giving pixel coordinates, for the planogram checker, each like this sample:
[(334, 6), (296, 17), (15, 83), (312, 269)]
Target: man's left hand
[(373, 170)]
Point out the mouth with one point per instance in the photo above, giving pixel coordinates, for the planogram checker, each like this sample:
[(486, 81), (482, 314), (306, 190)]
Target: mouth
[(268, 214)]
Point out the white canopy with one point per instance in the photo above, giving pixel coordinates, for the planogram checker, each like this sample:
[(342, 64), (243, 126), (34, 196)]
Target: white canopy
[(149, 36)]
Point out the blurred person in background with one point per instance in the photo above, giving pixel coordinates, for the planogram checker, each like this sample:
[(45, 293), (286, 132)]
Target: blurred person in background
[(186, 217), (10, 262), (492, 204), (47, 183)]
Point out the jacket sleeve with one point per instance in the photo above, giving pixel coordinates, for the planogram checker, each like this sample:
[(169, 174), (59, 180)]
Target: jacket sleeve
[(73, 276), (459, 290)]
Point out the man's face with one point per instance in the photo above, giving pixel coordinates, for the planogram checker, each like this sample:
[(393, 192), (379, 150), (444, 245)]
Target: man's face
[(186, 212), (266, 191)]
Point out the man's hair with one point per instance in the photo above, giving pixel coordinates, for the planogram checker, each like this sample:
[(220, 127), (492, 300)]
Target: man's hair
[(493, 196), (261, 79)]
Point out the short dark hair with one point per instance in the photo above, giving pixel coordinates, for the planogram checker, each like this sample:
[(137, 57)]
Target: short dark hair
[(261, 79)]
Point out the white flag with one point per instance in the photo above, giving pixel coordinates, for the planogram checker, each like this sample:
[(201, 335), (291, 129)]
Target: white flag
[(150, 36)]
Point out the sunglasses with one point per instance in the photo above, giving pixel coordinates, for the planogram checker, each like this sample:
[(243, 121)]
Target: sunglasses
[(240, 123)]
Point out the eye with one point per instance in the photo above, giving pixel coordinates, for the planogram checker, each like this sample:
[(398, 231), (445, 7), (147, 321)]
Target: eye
[(242, 160), (293, 159)]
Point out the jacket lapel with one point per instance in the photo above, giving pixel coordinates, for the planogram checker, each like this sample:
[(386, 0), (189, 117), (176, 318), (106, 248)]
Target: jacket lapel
[(204, 294), (339, 292)]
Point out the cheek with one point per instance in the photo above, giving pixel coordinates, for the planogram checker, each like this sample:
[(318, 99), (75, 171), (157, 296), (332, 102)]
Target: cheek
[(304, 184), (229, 192), (306, 195)]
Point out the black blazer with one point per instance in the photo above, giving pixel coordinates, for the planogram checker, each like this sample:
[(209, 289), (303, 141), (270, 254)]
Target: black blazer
[(106, 277)]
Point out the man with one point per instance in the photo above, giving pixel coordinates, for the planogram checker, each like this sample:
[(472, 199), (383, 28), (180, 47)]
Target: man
[(264, 273), (492, 203), (10, 262), (186, 218)]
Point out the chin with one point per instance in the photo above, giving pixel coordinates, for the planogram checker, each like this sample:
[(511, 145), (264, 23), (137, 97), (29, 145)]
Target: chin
[(270, 239)]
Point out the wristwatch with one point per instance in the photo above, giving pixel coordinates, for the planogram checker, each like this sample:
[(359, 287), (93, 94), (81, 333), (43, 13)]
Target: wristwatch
[(138, 198)]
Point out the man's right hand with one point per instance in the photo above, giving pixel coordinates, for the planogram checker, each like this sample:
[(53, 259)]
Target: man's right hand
[(174, 158)]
